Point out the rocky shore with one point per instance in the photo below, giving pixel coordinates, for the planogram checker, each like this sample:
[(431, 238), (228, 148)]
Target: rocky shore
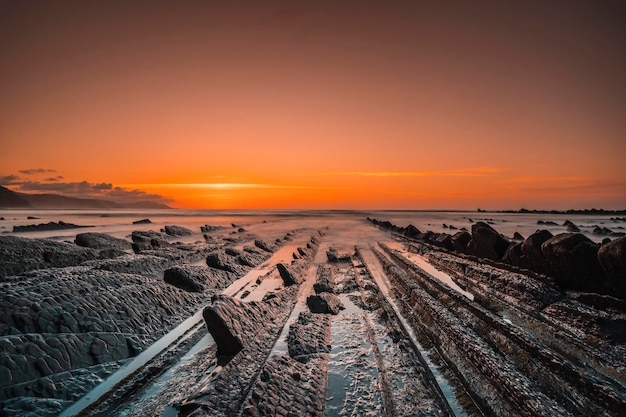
[(391, 321)]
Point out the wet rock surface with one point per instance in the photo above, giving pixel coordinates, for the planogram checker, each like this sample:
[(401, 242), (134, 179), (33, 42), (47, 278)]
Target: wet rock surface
[(309, 336), (324, 303), (426, 329), (58, 322), (69, 318), (571, 258)]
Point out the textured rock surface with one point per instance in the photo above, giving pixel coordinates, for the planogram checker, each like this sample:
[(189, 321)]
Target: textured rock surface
[(101, 241), (324, 303), (256, 325), (58, 322), (196, 278), (19, 255), (177, 231), (221, 260), (288, 388), (309, 336)]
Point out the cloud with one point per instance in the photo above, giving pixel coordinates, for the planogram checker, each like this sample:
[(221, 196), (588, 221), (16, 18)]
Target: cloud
[(230, 186), (465, 172), (9, 180), (83, 189), (36, 171)]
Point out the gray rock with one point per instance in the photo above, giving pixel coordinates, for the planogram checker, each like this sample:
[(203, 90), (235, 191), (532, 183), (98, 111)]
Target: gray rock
[(220, 260), (101, 241), (18, 255), (309, 336), (177, 231), (187, 277), (324, 303), (288, 276)]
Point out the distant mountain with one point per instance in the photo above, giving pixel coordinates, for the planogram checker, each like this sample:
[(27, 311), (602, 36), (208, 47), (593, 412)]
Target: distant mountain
[(12, 199)]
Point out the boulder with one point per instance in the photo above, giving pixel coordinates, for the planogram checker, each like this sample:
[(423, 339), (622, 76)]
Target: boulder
[(101, 241), (573, 261), (532, 256), (143, 221), (612, 258), (228, 343), (460, 240), (411, 231), (517, 236), (147, 240), (177, 231), (190, 278), (443, 240), (220, 260), (288, 276), (487, 242), (514, 254), (324, 303), (263, 245)]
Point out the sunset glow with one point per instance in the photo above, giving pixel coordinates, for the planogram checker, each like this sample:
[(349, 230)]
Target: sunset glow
[(341, 105)]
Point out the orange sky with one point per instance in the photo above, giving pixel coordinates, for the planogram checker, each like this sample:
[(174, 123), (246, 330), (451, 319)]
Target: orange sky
[(354, 104)]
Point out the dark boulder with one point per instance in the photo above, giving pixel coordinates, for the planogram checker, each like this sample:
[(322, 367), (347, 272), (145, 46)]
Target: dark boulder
[(220, 260), (143, 221), (177, 231), (573, 260), (288, 276), (324, 303), (443, 240), (101, 241), (572, 228), (612, 258), (228, 343), (532, 255), (425, 236), (517, 236), (411, 231), (190, 278), (148, 240), (487, 242), (334, 256), (460, 240), (514, 254), (263, 245)]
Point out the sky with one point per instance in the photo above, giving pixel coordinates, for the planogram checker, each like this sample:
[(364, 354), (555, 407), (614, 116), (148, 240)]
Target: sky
[(317, 105)]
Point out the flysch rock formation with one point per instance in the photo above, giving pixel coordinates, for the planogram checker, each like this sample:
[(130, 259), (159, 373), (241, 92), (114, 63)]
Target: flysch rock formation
[(472, 324), (245, 334), (72, 314)]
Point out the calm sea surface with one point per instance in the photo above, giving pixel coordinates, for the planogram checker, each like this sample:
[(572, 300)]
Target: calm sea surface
[(119, 223)]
